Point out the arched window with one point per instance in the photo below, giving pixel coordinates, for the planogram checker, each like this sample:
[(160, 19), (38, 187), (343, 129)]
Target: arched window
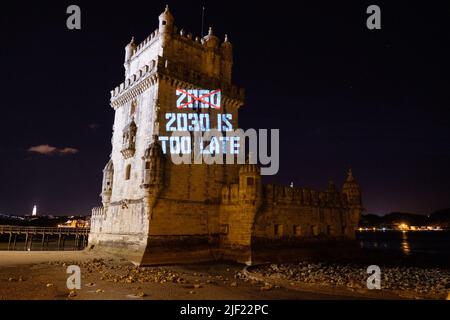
[(128, 172)]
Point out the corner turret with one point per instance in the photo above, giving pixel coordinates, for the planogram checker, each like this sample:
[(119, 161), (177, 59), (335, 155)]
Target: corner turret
[(152, 165), (108, 174), (210, 40), (130, 49), (351, 190), (250, 185), (227, 55), (152, 171), (166, 25)]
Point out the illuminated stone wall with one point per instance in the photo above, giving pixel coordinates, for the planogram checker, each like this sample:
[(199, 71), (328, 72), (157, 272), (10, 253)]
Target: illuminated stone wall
[(157, 212)]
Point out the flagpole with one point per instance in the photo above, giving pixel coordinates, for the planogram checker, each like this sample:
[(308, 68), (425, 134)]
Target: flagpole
[(203, 18)]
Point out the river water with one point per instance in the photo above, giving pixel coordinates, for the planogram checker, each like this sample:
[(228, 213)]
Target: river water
[(406, 243), (436, 243)]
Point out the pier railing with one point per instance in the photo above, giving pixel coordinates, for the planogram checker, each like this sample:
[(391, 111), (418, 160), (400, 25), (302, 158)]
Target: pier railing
[(40, 230), (79, 235)]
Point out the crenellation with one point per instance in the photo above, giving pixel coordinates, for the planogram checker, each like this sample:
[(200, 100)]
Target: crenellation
[(174, 72), (302, 196), (201, 212), (98, 212), (152, 38)]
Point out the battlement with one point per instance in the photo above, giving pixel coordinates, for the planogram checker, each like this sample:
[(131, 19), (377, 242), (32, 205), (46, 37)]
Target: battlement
[(198, 79), (139, 78), (186, 37), (152, 38), (194, 62), (98, 212), (203, 43), (303, 196), (156, 212), (160, 67), (277, 194)]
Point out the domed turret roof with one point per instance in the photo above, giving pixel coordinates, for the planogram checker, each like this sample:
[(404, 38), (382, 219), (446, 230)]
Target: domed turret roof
[(210, 39), (226, 43), (154, 150), (350, 182), (109, 166), (166, 14)]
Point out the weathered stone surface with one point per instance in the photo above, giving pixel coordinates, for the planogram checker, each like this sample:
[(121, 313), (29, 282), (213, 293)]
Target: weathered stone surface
[(156, 212)]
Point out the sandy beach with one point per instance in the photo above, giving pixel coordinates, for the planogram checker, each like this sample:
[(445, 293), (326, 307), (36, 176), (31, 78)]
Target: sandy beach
[(19, 258), (42, 276)]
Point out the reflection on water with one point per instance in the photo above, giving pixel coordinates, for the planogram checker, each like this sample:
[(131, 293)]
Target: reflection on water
[(405, 244)]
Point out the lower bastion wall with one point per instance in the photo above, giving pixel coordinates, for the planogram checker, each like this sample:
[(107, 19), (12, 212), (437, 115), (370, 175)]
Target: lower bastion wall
[(249, 224)]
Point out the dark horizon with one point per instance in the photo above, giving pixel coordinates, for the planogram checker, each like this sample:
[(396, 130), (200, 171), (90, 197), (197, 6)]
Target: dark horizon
[(81, 215), (342, 96)]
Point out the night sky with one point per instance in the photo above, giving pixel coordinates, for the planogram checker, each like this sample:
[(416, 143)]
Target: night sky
[(342, 95)]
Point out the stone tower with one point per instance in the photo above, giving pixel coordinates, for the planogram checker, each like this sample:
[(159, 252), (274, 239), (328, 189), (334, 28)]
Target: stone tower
[(352, 192), (155, 211), (149, 203)]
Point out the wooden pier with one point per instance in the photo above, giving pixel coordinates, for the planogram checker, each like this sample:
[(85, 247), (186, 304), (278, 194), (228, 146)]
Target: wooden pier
[(43, 234)]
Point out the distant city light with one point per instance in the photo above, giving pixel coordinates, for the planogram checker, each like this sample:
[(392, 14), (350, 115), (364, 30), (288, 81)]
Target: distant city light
[(403, 227)]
